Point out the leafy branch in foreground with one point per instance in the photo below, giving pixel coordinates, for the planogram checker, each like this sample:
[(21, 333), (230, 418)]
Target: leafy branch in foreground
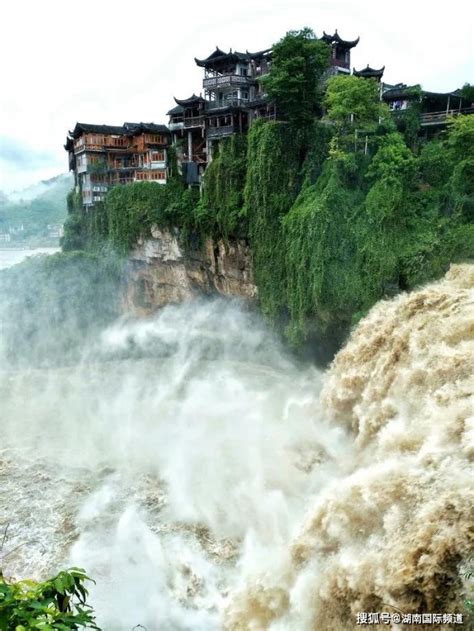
[(58, 604)]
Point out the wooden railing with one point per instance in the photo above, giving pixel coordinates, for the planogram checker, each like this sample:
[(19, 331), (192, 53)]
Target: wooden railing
[(215, 105), (225, 80), (340, 63), (439, 118), (218, 132), (193, 121)]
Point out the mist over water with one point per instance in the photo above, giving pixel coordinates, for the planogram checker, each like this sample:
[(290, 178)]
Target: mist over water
[(206, 480)]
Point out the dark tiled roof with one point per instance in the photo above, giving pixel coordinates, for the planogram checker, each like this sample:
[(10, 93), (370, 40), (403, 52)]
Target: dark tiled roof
[(369, 72), (456, 94), (125, 129), (404, 92), (86, 128), (178, 109), (192, 100), (141, 128), (219, 56), (401, 91), (336, 39)]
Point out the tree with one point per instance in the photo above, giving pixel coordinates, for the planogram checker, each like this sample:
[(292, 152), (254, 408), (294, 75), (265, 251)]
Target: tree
[(393, 160), (351, 99), (299, 61), (461, 136), (467, 93), (58, 604)]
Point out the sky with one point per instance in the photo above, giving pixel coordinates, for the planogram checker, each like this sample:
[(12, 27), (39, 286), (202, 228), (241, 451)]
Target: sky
[(111, 61)]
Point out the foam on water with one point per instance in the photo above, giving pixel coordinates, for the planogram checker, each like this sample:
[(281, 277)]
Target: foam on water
[(205, 481)]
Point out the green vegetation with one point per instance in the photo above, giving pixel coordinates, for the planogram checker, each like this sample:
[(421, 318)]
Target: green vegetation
[(220, 210), (339, 212), (336, 218), (58, 604), (349, 100), (370, 224), (299, 61), (408, 121), (272, 184), (128, 213), (467, 92), (28, 218)]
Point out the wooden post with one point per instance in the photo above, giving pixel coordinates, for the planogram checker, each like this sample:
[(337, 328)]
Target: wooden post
[(190, 146)]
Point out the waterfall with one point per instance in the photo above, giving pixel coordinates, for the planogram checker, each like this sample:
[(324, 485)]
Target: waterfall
[(207, 480)]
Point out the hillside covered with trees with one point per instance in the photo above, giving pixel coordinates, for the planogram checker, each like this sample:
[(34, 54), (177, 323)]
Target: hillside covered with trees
[(341, 204), (32, 216)]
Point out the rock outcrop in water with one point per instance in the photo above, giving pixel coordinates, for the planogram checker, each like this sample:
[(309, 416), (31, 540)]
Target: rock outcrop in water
[(392, 534), (160, 272)]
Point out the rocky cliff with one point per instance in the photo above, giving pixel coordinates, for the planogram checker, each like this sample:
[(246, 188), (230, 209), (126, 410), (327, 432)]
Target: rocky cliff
[(160, 271)]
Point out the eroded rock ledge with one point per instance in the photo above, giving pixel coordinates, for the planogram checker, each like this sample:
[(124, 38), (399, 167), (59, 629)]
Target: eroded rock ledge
[(161, 272)]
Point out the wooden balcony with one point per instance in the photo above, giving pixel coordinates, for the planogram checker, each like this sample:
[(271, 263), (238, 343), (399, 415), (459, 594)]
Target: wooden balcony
[(221, 105), (121, 180), (225, 81), (176, 126), (193, 121), (340, 63), (221, 132), (441, 118), (122, 166), (156, 164)]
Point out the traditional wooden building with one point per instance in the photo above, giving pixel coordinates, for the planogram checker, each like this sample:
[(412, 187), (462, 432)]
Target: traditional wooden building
[(187, 127), (398, 97), (233, 98), (231, 79), (232, 91), (434, 108), (102, 156), (340, 52)]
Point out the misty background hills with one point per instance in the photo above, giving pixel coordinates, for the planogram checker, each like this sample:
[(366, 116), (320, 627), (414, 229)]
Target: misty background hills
[(29, 214)]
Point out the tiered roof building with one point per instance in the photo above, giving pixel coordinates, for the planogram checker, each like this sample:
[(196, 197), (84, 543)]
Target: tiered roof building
[(102, 156), (232, 97)]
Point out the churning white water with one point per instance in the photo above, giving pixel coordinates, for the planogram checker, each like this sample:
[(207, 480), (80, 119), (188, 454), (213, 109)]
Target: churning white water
[(168, 463), (202, 478)]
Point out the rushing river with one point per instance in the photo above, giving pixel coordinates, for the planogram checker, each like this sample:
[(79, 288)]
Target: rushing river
[(205, 480)]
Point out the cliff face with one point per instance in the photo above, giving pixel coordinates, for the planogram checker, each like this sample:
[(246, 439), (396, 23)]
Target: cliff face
[(161, 272)]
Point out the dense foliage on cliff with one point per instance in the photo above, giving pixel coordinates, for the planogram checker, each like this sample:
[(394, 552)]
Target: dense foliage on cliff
[(362, 216), (127, 214), (220, 211), (339, 211), (58, 604), (372, 224)]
